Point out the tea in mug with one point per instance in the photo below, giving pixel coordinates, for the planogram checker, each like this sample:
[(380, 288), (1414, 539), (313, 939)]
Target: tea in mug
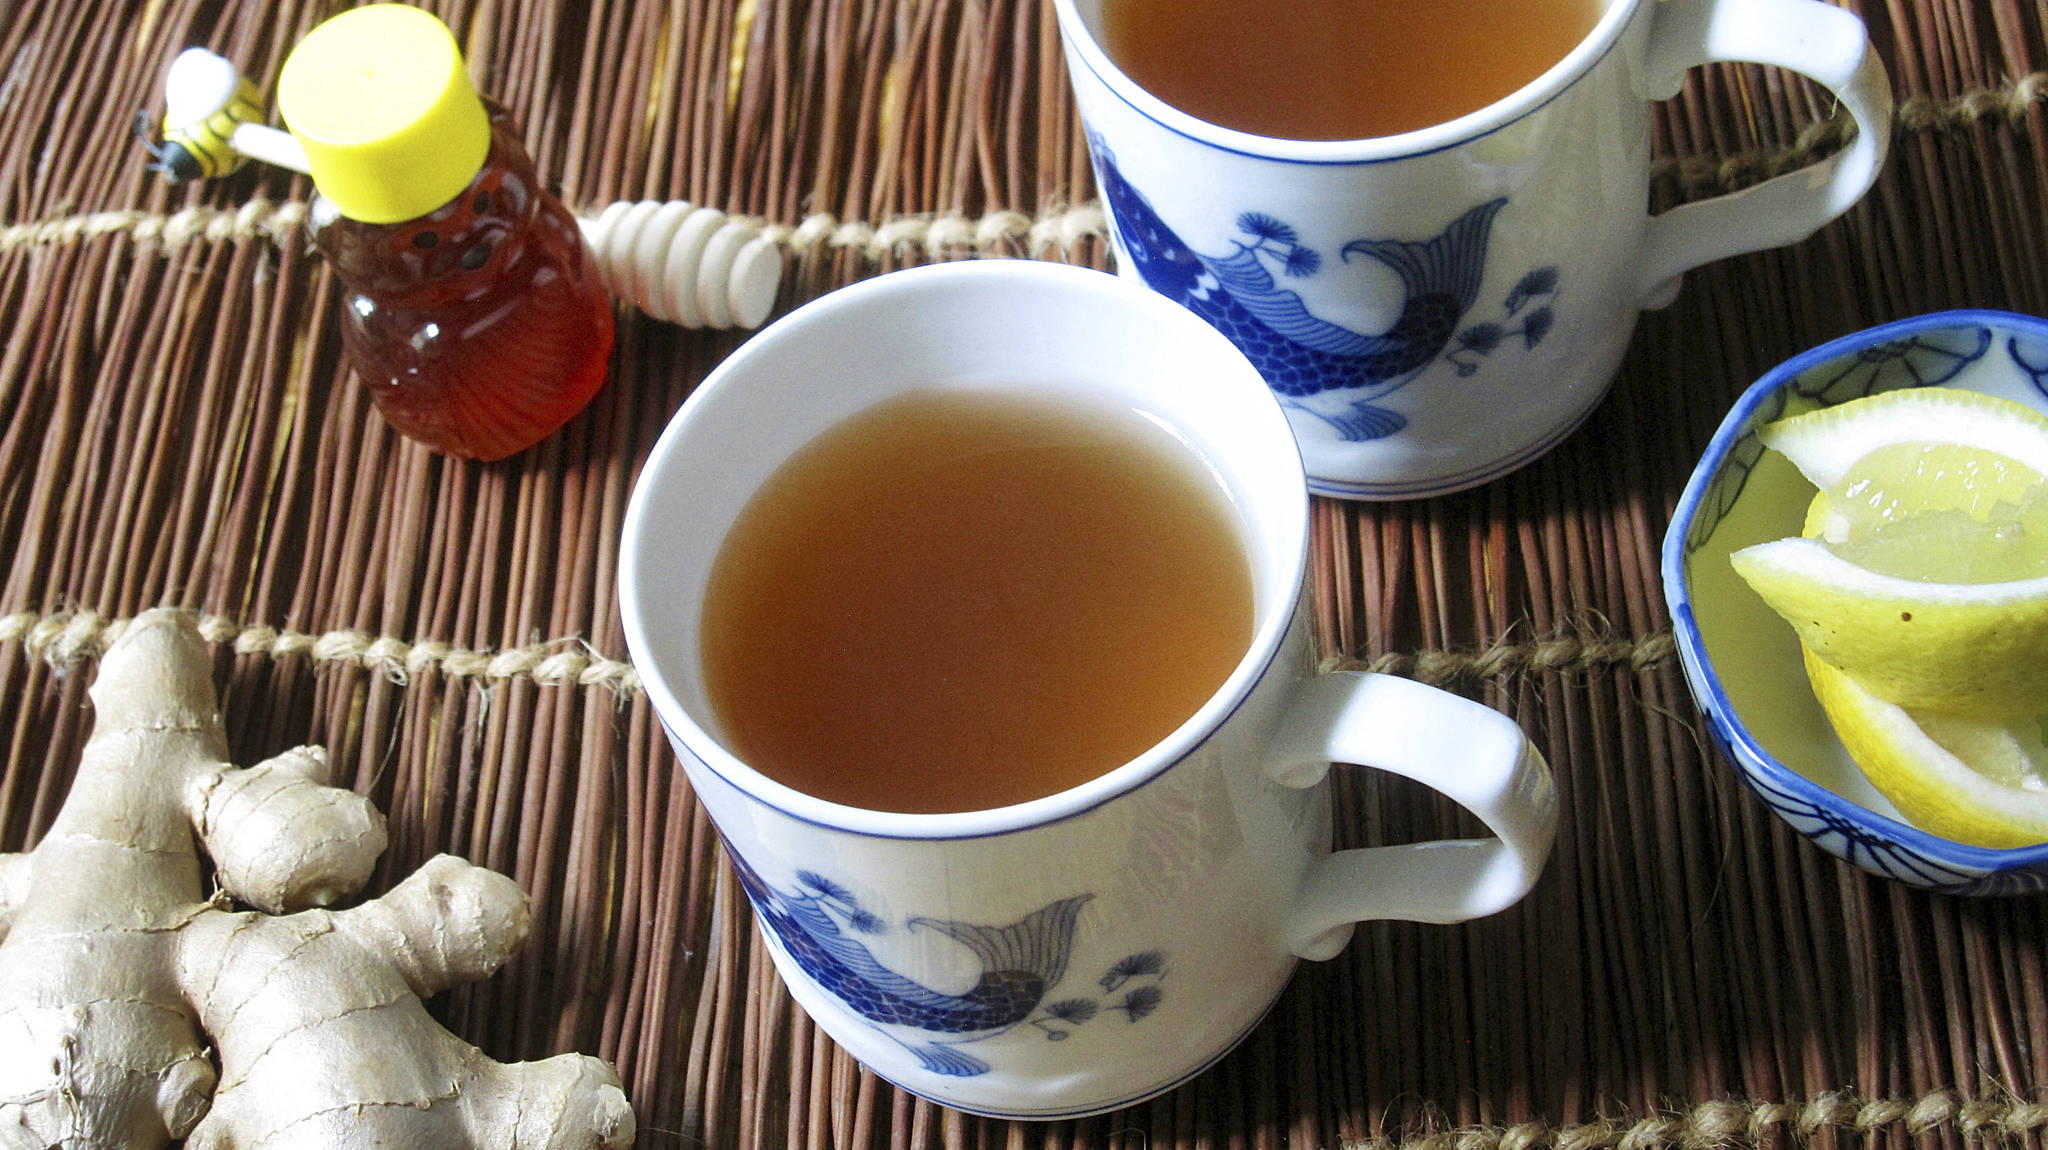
[(1339, 69), (961, 599)]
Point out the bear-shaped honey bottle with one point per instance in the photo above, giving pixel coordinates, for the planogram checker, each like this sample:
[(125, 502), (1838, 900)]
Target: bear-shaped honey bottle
[(472, 309)]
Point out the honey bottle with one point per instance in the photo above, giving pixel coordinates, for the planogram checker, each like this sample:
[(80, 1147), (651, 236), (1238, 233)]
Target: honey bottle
[(472, 310)]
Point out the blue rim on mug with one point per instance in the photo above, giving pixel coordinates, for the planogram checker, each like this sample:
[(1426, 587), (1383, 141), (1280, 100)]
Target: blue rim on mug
[(1463, 480)]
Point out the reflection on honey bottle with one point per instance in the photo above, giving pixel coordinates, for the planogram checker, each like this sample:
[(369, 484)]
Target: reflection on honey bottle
[(472, 311)]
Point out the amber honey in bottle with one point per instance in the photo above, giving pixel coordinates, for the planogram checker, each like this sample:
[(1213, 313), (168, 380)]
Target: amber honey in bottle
[(472, 309)]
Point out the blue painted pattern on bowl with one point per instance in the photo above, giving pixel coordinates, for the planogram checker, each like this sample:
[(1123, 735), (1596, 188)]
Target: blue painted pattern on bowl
[(1742, 662)]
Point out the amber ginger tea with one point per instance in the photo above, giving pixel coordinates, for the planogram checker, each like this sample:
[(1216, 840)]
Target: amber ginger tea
[(961, 599), (1339, 69)]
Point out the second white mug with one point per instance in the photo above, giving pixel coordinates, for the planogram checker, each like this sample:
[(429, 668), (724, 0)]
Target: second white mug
[(1437, 308)]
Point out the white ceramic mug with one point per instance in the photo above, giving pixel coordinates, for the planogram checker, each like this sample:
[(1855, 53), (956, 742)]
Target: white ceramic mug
[(1087, 950), (1437, 308)]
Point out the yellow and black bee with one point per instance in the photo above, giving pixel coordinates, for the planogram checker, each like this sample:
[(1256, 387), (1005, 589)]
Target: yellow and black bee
[(205, 100)]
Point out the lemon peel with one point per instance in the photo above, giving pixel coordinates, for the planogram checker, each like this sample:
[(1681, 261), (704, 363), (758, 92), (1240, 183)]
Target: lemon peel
[(1974, 782), (1824, 444)]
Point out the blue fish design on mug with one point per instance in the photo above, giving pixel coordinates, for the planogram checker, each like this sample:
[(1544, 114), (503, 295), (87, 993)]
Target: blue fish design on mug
[(1312, 365), (1020, 963)]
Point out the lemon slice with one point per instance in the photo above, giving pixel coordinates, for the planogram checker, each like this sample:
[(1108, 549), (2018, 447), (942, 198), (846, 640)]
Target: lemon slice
[(1924, 573), (1976, 782)]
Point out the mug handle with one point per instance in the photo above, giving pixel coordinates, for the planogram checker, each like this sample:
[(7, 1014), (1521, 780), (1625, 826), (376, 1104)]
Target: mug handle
[(1470, 752), (1822, 42)]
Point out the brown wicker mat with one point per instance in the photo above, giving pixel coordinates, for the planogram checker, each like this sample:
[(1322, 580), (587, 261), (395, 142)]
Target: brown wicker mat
[(179, 429)]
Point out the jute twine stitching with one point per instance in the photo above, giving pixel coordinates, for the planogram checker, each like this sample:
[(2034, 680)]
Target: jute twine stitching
[(1503, 660), (1057, 231), (1718, 1124), (67, 638), (278, 222)]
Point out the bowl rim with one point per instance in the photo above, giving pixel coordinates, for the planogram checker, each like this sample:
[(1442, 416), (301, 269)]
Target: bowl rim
[(1706, 686)]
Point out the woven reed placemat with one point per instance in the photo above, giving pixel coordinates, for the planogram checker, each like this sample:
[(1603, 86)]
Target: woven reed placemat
[(179, 429)]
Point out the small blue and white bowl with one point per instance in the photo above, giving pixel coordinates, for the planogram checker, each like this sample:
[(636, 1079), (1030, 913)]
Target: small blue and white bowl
[(1742, 661)]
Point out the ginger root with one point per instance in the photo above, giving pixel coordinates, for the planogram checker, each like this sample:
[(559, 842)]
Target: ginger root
[(115, 968)]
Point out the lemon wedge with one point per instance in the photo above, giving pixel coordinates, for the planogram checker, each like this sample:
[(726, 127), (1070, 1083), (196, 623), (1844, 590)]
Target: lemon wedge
[(1976, 782), (1923, 574)]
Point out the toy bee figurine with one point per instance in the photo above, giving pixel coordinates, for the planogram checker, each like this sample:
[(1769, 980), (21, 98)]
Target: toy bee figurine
[(213, 123)]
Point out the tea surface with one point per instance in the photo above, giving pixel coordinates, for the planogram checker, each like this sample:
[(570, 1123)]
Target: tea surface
[(1339, 69), (959, 600)]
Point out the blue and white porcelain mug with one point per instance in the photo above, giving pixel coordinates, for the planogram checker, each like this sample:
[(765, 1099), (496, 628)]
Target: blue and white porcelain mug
[(1437, 308), (1087, 950)]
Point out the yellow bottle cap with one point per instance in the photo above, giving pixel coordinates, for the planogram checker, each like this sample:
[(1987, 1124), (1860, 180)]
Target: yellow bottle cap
[(391, 125)]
